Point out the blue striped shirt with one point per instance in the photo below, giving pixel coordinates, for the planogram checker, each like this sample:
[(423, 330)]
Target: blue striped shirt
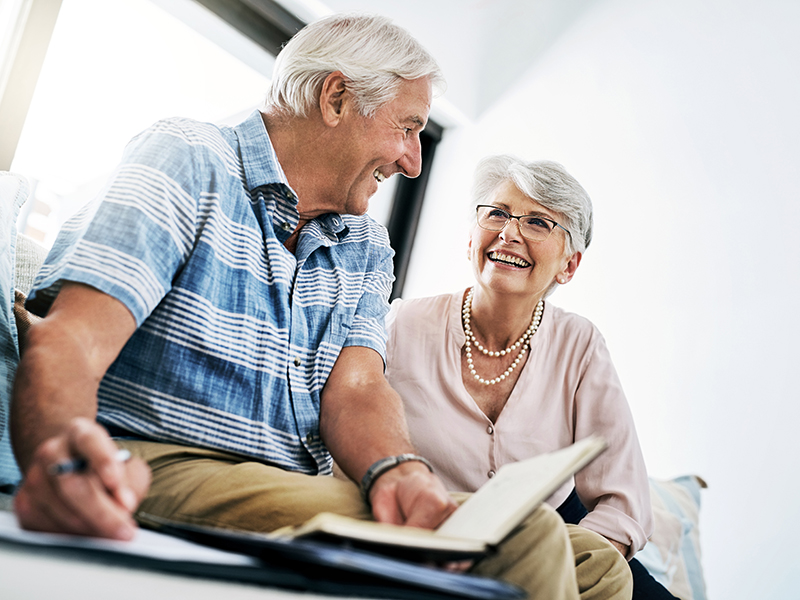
[(235, 335)]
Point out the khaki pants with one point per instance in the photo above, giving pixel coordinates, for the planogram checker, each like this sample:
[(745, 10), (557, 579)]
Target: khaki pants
[(547, 558)]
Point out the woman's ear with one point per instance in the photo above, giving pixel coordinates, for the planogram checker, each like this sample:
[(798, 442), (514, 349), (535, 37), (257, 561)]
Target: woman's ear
[(332, 98), (569, 269)]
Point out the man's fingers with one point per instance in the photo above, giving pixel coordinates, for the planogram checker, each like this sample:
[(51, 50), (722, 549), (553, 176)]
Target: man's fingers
[(416, 498), (86, 496), (97, 500), (91, 442), (73, 503), (138, 477), (460, 566), (428, 507), (386, 510), (38, 508)]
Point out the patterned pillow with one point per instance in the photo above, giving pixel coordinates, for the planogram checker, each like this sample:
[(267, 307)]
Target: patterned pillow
[(672, 556), (13, 193)]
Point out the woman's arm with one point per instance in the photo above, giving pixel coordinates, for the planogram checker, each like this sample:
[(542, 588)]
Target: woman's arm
[(614, 488)]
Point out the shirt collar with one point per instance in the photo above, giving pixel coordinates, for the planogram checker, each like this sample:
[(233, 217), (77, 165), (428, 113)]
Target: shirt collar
[(261, 166)]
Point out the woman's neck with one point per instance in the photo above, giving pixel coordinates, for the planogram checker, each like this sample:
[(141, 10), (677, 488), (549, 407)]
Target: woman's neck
[(497, 319)]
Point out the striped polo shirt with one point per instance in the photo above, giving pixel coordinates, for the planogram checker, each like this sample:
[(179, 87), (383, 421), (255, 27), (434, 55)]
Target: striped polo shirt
[(235, 335)]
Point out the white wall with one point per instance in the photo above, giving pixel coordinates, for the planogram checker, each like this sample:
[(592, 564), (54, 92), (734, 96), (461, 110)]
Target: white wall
[(681, 120)]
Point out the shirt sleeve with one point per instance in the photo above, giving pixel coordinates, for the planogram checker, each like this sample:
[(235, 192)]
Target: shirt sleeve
[(614, 487), (134, 237), (368, 327)]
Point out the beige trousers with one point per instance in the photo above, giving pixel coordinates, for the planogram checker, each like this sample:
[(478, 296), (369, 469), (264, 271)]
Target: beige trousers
[(545, 557)]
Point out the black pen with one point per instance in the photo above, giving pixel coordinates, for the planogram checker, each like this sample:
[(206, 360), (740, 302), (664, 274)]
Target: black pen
[(78, 465)]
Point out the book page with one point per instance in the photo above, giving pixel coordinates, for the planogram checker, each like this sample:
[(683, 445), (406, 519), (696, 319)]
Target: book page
[(378, 533), (510, 496)]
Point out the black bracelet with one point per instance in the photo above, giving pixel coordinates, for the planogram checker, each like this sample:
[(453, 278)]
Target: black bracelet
[(379, 467)]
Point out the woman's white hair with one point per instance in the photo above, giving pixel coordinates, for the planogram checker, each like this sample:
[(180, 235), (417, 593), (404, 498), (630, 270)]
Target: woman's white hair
[(373, 54), (546, 182)]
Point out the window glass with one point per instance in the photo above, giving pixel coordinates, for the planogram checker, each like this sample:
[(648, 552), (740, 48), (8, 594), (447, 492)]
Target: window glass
[(111, 70)]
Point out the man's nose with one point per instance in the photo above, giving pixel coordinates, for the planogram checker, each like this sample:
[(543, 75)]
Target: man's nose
[(411, 162)]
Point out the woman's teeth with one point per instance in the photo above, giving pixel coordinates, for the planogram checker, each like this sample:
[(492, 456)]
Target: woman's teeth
[(511, 260)]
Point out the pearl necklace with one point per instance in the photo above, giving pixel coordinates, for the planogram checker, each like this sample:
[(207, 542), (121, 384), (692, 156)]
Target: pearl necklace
[(521, 343)]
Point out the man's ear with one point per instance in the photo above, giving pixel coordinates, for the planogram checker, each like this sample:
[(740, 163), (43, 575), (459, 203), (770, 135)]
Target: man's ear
[(570, 268), (333, 98)]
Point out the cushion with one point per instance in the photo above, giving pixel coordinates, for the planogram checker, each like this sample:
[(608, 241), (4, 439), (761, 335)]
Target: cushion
[(30, 256), (13, 193), (672, 556)]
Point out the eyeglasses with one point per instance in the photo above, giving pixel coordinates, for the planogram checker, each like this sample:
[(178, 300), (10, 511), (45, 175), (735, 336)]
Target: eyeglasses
[(535, 228)]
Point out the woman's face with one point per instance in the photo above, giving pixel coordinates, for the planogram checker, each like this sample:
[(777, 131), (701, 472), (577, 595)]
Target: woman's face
[(506, 262)]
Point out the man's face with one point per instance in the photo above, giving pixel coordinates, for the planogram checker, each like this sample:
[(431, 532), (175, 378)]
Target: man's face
[(375, 148)]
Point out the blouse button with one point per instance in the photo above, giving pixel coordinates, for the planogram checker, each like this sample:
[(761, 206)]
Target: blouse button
[(490, 430), (490, 474), (296, 361)]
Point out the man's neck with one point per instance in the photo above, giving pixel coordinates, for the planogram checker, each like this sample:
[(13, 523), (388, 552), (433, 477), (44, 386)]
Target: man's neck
[(291, 139), (299, 146)]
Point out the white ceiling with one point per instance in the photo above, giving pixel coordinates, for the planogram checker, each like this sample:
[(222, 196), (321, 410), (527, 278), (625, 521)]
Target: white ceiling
[(483, 46)]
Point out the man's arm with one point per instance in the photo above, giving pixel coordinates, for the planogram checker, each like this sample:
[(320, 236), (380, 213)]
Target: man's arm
[(362, 421), (53, 419)]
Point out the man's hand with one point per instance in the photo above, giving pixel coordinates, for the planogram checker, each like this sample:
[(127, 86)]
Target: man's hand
[(361, 421), (409, 494), (97, 501), (53, 414)]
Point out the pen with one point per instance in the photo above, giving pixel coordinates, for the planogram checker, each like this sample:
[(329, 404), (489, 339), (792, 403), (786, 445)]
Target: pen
[(78, 465)]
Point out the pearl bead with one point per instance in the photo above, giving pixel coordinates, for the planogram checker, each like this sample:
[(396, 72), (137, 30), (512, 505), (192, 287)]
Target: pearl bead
[(523, 341)]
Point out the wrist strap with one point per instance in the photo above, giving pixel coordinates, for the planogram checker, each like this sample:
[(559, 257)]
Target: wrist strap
[(379, 467)]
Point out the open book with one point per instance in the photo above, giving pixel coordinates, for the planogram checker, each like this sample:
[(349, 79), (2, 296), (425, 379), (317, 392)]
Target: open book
[(482, 521)]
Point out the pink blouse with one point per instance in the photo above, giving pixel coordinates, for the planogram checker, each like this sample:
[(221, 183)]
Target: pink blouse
[(567, 390)]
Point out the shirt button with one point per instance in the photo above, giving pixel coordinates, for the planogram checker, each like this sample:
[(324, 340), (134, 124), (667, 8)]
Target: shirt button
[(310, 438), (289, 196), (285, 226), (490, 430), (490, 474), (296, 361)]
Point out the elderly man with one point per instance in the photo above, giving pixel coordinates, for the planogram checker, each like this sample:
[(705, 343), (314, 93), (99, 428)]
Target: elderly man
[(219, 311)]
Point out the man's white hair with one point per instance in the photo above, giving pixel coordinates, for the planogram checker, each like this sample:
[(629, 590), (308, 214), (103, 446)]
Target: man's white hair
[(373, 54)]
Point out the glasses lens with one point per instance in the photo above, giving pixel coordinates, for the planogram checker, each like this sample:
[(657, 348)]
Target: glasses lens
[(491, 218), (535, 228)]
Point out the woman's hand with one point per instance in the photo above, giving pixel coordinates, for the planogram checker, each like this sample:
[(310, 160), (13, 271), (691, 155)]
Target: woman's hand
[(623, 549)]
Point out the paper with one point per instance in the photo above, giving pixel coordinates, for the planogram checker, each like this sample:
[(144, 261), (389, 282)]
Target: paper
[(147, 544)]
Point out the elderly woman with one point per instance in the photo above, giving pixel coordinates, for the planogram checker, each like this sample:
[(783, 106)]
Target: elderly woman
[(495, 373)]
